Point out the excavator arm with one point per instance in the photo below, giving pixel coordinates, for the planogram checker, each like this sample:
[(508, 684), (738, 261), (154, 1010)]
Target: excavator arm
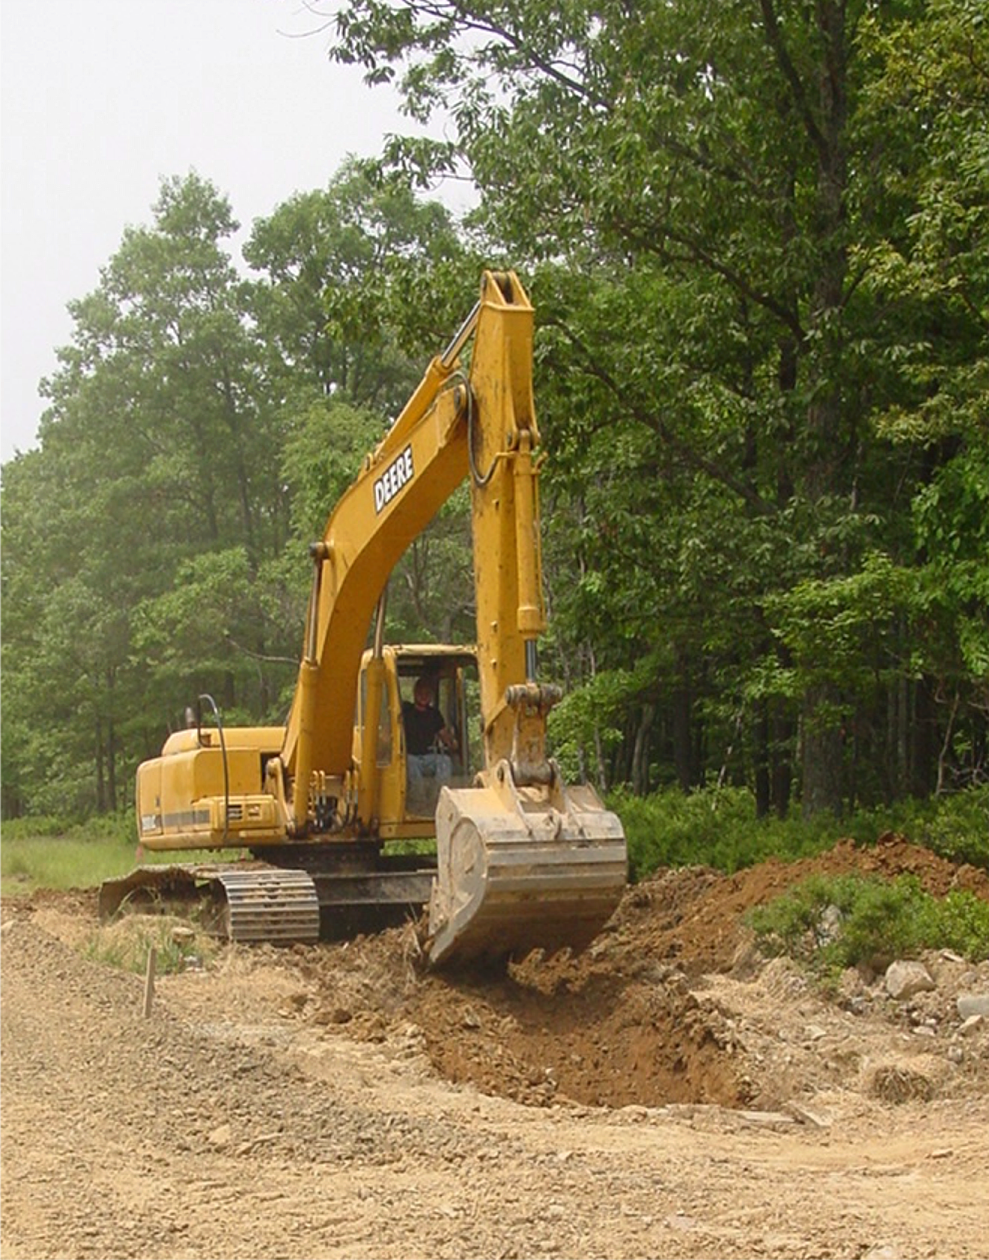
[(456, 424)]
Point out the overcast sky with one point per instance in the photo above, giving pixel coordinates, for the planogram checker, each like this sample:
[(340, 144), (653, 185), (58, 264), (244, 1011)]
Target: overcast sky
[(101, 98)]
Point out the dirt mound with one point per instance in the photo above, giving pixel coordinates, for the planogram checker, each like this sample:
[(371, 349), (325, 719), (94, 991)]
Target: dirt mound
[(696, 917), (669, 1005)]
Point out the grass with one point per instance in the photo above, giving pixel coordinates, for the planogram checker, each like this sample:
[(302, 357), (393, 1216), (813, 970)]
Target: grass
[(81, 857), (126, 943), (42, 853)]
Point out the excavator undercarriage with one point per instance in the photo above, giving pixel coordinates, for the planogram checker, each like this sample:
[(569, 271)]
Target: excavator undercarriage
[(307, 900)]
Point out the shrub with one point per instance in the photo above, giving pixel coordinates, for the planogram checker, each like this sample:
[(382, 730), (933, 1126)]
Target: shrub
[(959, 827), (718, 827), (711, 827), (834, 922)]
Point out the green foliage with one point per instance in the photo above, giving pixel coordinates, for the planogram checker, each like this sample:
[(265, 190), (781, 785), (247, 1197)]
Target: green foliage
[(761, 381), (843, 627), (718, 827), (322, 455), (117, 828), (590, 714), (959, 827), (834, 922), (714, 827), (200, 429), (763, 305)]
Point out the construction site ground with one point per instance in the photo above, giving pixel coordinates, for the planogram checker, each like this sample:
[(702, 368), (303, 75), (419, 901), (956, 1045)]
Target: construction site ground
[(670, 1093)]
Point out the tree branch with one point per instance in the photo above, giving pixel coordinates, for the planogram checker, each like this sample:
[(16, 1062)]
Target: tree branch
[(789, 72)]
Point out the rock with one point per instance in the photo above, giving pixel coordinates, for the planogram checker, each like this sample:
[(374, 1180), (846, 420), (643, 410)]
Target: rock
[(971, 1024), (973, 1004), (830, 925), (769, 1119), (803, 1115), (220, 1137), (333, 1015), (905, 979)]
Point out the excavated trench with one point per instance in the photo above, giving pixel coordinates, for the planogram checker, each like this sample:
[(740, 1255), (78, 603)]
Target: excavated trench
[(628, 1022)]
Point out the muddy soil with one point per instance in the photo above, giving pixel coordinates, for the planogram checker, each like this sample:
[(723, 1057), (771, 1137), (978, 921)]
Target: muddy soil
[(670, 1093)]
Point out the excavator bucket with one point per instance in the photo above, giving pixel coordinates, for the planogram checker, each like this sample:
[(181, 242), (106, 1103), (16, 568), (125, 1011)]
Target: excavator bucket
[(522, 869)]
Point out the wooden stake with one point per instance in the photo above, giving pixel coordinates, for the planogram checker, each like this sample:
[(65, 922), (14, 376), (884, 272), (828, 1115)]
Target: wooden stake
[(149, 981)]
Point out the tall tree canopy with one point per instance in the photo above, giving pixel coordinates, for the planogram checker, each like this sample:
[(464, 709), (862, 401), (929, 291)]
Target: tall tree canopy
[(756, 237), (759, 236), (201, 425)]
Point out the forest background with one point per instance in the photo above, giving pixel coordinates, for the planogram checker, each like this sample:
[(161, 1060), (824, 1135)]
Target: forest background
[(756, 235)]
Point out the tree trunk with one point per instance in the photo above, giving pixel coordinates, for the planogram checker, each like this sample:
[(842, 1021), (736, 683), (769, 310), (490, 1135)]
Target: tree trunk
[(763, 786), (782, 764), (640, 751), (822, 753), (683, 759), (100, 765), (923, 740), (111, 766)]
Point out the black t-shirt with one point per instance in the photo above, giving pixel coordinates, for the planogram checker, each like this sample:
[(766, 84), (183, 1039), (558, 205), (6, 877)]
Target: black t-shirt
[(421, 727)]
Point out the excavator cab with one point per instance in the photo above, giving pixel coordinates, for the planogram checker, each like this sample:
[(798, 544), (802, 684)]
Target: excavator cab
[(396, 803)]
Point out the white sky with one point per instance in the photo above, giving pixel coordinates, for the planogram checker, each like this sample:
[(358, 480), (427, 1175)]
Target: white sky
[(101, 98)]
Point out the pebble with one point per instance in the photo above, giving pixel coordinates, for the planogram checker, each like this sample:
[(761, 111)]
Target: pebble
[(970, 1004)]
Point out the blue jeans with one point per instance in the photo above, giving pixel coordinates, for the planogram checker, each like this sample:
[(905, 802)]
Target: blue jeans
[(427, 772)]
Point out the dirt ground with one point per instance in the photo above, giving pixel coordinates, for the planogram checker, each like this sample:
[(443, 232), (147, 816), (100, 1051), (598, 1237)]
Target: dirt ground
[(671, 1093)]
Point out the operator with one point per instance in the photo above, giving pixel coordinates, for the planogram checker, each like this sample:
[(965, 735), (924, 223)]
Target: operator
[(426, 734)]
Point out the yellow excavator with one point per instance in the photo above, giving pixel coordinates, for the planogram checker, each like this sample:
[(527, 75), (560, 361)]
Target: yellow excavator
[(523, 861)]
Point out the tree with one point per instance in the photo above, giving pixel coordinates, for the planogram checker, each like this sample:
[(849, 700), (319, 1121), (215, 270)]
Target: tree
[(334, 312), (364, 283), (200, 428), (149, 456), (701, 189)]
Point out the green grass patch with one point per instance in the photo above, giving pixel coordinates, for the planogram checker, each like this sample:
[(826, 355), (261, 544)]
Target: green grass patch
[(840, 921), (127, 942), (29, 861)]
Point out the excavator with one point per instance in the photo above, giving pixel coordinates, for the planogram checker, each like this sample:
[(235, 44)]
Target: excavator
[(319, 807)]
